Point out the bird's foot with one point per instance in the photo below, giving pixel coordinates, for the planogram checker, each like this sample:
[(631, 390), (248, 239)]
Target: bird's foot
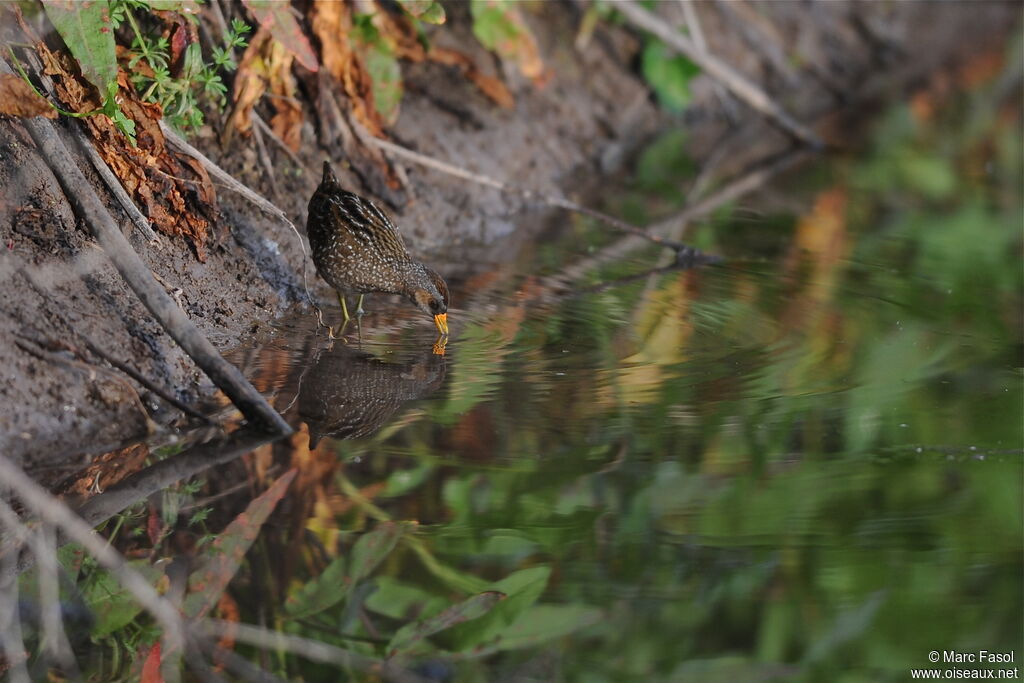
[(341, 330)]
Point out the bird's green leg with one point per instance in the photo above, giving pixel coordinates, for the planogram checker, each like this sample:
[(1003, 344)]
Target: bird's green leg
[(359, 307), (344, 308), (344, 322)]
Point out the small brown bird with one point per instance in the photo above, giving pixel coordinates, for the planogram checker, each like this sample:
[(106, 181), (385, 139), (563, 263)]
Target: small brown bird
[(357, 250)]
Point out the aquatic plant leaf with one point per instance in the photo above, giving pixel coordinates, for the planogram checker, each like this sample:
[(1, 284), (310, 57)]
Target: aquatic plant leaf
[(401, 601), (401, 482), (467, 610), (372, 548), (522, 589), (112, 605), (88, 33), (321, 593), (277, 17), (207, 583), (539, 625), (668, 74), (335, 582)]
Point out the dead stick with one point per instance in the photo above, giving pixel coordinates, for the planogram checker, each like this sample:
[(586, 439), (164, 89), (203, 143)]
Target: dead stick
[(151, 386), (269, 132), (718, 70), (551, 200), (261, 148), (140, 279)]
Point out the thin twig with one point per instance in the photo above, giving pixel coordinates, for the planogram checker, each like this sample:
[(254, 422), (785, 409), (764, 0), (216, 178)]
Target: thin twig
[(43, 291), (261, 149), (140, 222), (151, 386), (529, 195), (269, 132), (305, 647), (109, 179), (693, 25), (235, 186), (216, 171), (11, 641), (44, 546), (36, 349), (717, 69)]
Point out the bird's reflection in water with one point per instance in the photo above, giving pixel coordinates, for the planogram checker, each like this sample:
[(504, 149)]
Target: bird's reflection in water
[(350, 394)]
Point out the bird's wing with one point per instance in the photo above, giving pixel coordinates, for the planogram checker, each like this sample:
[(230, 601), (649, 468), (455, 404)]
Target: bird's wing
[(369, 225)]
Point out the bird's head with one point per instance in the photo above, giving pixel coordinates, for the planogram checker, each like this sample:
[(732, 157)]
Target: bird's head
[(431, 297)]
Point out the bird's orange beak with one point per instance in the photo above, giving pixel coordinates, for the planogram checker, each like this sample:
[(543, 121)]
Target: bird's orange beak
[(441, 320)]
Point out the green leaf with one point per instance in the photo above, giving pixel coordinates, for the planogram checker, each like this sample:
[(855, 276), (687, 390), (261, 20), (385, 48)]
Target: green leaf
[(402, 602), (208, 581), (401, 482), (86, 29), (372, 548), (539, 625), (386, 76), (668, 74), (424, 10), (467, 610), (522, 589), (334, 583), (492, 26), (323, 592), (112, 605)]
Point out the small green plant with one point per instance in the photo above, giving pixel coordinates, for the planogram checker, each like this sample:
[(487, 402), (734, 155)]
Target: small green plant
[(151, 71)]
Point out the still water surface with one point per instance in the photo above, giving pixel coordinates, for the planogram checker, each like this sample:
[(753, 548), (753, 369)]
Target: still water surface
[(803, 463)]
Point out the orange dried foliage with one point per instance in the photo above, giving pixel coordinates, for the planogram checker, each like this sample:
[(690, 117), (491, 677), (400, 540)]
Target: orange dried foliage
[(332, 24), (400, 35), (227, 610), (176, 195), (17, 98), (267, 65)]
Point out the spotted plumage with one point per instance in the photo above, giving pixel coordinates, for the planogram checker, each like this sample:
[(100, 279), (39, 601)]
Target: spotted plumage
[(358, 250)]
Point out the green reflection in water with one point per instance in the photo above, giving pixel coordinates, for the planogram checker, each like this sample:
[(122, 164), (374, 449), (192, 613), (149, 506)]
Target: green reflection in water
[(803, 467)]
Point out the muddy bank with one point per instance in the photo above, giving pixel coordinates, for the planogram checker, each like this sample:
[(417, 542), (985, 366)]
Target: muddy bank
[(60, 404)]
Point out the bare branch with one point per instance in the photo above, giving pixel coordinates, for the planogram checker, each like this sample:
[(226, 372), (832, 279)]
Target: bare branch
[(529, 195), (305, 647)]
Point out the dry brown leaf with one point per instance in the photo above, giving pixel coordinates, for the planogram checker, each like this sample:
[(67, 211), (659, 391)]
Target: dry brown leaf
[(332, 23), (250, 83), (287, 120), (267, 65), (17, 98), (177, 199)]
